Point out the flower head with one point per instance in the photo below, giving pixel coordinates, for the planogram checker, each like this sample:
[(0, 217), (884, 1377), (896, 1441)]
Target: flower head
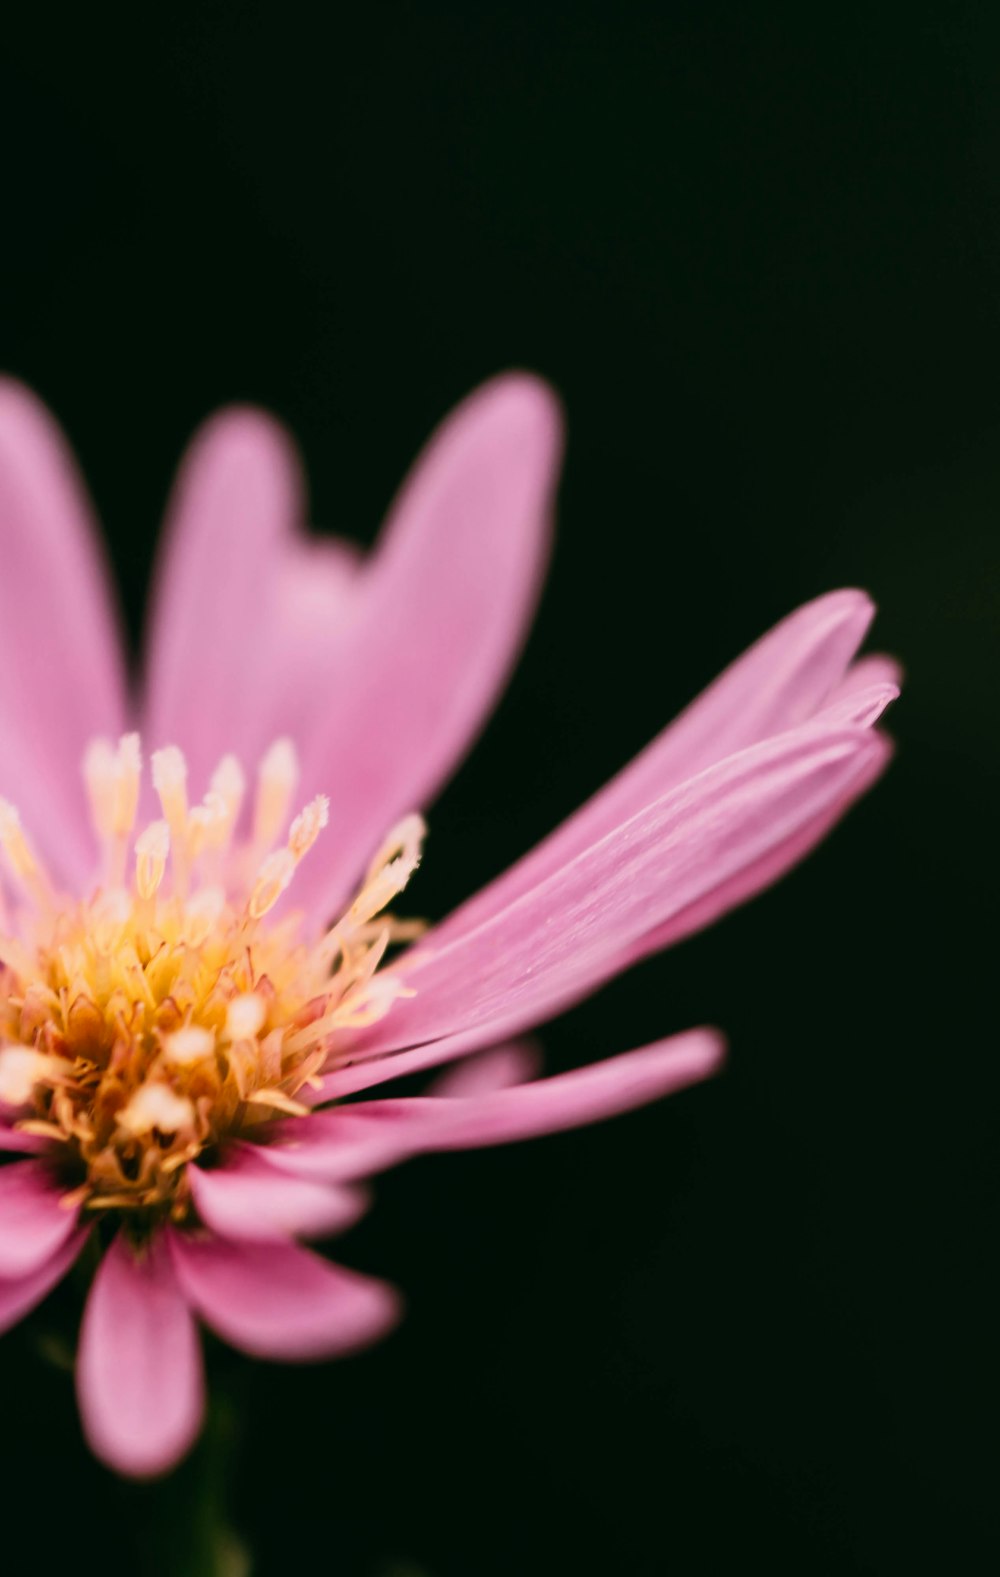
[(194, 973)]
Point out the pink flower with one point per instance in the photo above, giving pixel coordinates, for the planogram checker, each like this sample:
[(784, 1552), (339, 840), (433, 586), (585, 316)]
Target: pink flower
[(176, 1037)]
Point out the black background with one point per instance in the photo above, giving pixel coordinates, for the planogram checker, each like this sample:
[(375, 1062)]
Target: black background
[(758, 252)]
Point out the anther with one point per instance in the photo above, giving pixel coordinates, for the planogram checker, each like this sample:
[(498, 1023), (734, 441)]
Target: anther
[(229, 783), (189, 1045), (100, 774), (128, 772), (245, 1017), (307, 826), (21, 857), (277, 777), (151, 850), (170, 782), (156, 1106), (273, 877), (21, 1069)]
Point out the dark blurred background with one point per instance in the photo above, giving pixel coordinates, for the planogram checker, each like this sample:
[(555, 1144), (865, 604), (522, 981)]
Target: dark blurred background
[(757, 249)]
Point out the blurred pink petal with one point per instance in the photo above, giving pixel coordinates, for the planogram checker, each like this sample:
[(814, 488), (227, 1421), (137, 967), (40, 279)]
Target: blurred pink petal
[(34, 1224), (495, 1069), (448, 596), (275, 1300), (61, 667), (237, 501), (24, 1143), (247, 1200), (139, 1372), (875, 669), (21, 1294)]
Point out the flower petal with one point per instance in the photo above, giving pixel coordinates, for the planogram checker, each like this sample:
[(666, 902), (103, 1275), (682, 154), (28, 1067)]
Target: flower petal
[(775, 685), (20, 1295), (33, 1222), (277, 1300), (236, 502), (60, 652), (248, 1200), (567, 1100), (26, 1143), (495, 1069), (339, 1146), (875, 669), (447, 598), (139, 1373), (747, 815)]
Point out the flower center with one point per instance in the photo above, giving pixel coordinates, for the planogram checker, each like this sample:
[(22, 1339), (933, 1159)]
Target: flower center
[(140, 1027)]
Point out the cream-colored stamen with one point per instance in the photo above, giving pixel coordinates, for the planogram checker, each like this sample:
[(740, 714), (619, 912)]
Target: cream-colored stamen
[(154, 1021), (245, 1017), (156, 1106), (189, 1045), (273, 878), (21, 857), (22, 1069), (307, 826), (151, 850), (277, 778)]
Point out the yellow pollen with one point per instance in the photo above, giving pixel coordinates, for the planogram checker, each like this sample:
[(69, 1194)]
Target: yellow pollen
[(147, 1025)]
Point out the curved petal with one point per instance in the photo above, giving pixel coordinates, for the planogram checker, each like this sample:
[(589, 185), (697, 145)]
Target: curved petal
[(60, 653), (577, 928), (860, 705), (337, 1146), (778, 683), (276, 1300), (25, 1143), (230, 523), (250, 1201), (20, 1295), (447, 598), (875, 669), (567, 1100), (139, 1373), (34, 1224), (496, 1069)]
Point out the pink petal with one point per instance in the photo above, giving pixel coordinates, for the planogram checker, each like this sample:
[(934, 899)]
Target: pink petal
[(139, 1373), (776, 684), (612, 902), (60, 652), (33, 1223), (332, 1143), (876, 669), (276, 1300), (495, 1069), (763, 872), (249, 1200), (19, 1296), (859, 705), (568, 1100), (237, 500), (447, 598), (26, 1143), (341, 1144)]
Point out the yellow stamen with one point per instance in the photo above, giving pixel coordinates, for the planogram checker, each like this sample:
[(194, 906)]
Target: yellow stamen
[(148, 1024)]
